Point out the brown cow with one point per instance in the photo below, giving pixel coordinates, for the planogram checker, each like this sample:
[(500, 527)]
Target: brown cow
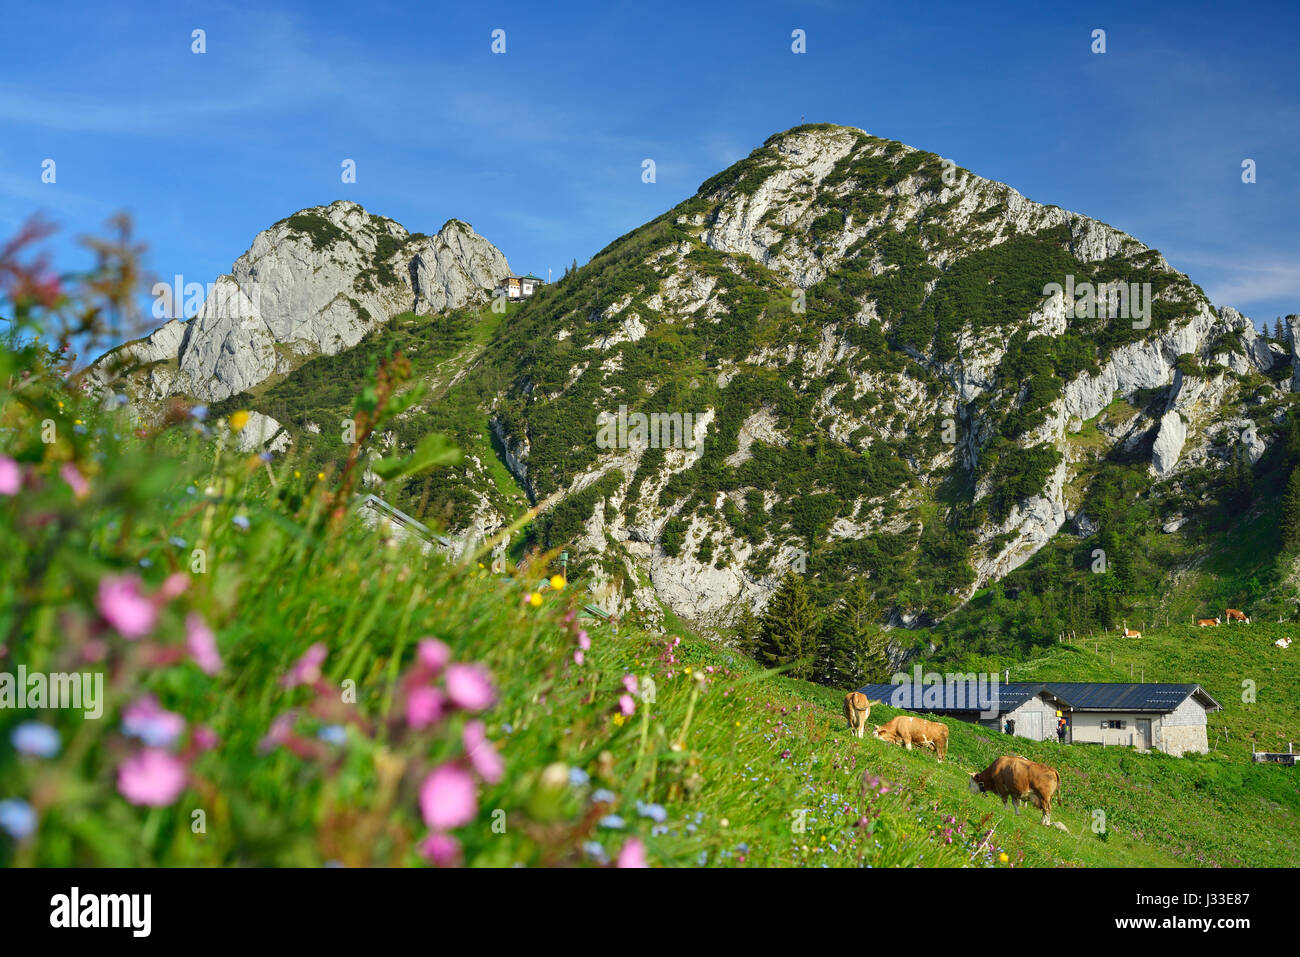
[(857, 709), (1019, 779), (1130, 633), (1207, 622), (908, 731), (1233, 614)]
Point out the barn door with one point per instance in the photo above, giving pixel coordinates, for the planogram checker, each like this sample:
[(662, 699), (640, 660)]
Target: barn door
[(1143, 734), (1032, 726)]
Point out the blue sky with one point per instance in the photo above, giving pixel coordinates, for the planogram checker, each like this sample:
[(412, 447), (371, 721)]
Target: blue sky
[(541, 148)]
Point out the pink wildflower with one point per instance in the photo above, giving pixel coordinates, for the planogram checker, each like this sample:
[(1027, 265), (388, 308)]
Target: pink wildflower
[(307, 669), (69, 473), (441, 850), (153, 778), (280, 732), (632, 854), (202, 644), (172, 587), (11, 476), (425, 706), (626, 705), (470, 687), (124, 606), (434, 655), (629, 683), (482, 753), (448, 797)]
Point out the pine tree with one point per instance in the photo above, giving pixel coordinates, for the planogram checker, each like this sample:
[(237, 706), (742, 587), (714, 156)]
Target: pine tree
[(1241, 482), (1278, 334), (748, 631), (854, 649), (1290, 513), (790, 633)]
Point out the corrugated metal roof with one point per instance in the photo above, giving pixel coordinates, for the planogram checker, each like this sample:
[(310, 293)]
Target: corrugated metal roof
[(958, 696), (1078, 695), (1096, 696)]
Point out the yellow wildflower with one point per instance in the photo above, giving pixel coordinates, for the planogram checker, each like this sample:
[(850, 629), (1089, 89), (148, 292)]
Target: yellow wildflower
[(238, 420), (557, 582)]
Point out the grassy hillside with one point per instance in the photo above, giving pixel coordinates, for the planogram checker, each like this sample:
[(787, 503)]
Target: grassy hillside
[(729, 765)]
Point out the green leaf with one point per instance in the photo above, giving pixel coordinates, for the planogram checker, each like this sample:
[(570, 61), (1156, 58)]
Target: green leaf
[(433, 450), (400, 403)]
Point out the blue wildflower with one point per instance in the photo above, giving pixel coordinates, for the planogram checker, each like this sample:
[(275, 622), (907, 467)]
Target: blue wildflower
[(334, 734), (613, 822), (577, 777), (655, 812), (36, 739), (241, 522), (17, 817)]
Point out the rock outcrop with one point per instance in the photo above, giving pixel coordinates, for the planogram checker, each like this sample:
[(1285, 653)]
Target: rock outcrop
[(314, 283)]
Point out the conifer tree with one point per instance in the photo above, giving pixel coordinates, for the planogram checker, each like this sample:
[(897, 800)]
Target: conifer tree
[(748, 632), (853, 645), (1290, 517), (790, 628), (1241, 481)]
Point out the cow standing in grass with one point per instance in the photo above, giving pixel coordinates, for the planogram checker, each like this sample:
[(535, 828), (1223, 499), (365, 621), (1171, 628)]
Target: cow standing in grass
[(857, 709), (909, 731), (1233, 614), (1019, 779)]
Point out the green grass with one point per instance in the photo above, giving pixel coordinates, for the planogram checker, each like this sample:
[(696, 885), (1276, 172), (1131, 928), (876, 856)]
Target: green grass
[(745, 767)]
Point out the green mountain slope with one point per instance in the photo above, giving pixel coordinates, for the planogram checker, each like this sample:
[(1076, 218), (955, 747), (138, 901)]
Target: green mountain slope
[(884, 385)]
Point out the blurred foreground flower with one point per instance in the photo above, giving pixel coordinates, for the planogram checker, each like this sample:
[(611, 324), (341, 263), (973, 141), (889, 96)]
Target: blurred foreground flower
[(202, 644), (11, 476), (18, 818), (153, 778), (448, 798), (35, 739)]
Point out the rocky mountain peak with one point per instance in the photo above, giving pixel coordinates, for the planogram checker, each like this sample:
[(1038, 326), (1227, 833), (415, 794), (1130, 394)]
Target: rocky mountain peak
[(314, 283)]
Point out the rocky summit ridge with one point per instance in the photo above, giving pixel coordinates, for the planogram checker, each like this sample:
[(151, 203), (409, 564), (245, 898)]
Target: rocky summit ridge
[(896, 370), (314, 283)]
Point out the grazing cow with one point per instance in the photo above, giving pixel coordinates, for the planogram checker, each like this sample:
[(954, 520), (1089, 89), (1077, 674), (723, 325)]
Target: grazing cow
[(1020, 780), (1233, 614), (1130, 633), (857, 709), (908, 731), (1283, 642), (1208, 622)]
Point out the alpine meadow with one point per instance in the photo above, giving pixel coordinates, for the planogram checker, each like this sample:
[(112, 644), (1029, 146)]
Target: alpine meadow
[(854, 510)]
